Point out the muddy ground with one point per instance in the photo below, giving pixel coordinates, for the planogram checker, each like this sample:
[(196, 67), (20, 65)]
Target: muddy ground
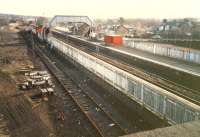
[(21, 116)]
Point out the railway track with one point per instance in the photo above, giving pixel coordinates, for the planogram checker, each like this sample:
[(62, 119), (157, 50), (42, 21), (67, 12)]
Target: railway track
[(184, 92), (188, 94), (101, 121)]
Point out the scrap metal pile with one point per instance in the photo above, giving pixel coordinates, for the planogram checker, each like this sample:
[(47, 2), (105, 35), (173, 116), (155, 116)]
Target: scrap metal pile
[(38, 79)]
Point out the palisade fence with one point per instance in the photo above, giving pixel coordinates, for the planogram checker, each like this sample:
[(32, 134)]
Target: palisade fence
[(166, 50)]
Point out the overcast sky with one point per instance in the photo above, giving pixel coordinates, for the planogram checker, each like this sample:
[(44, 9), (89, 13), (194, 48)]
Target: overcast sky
[(104, 8)]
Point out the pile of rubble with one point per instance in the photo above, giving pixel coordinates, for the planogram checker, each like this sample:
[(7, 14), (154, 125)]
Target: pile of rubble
[(38, 79), (4, 60)]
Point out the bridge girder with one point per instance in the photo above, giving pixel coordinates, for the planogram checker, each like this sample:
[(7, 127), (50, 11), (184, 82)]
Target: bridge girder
[(70, 18)]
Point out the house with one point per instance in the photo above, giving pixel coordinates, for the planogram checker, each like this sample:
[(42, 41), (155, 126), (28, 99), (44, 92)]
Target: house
[(125, 30), (179, 24)]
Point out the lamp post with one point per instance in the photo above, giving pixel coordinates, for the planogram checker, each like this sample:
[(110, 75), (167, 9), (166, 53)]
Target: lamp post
[(189, 39)]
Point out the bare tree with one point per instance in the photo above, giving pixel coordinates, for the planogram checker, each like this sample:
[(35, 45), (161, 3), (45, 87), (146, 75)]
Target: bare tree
[(121, 21)]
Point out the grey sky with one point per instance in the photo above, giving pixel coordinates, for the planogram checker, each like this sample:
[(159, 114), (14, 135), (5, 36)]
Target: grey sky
[(105, 8)]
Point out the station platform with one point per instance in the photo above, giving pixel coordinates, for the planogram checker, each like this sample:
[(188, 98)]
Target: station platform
[(172, 63), (183, 66), (191, 129)]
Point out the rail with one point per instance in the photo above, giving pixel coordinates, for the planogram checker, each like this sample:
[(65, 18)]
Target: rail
[(100, 120)]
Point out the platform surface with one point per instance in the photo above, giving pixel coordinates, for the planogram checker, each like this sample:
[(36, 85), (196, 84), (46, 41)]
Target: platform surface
[(176, 64), (191, 129)]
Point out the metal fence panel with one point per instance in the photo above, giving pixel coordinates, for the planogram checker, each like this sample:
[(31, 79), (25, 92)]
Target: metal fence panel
[(132, 86), (120, 81), (99, 69), (180, 111), (189, 115), (170, 110), (149, 97), (109, 74), (160, 103)]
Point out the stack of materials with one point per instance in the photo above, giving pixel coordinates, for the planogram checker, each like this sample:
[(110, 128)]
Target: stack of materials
[(37, 79)]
